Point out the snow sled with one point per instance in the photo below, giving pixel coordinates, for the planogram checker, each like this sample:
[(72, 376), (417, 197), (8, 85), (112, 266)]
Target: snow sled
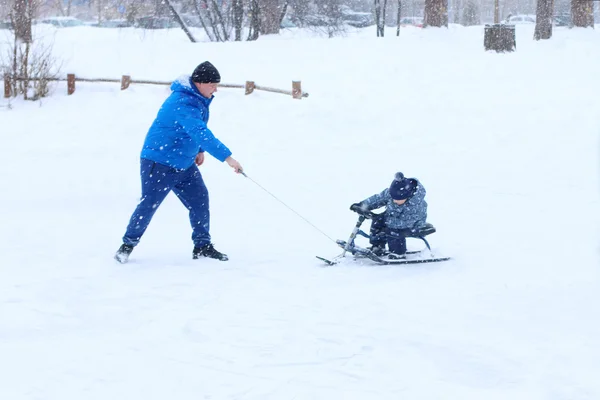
[(411, 257)]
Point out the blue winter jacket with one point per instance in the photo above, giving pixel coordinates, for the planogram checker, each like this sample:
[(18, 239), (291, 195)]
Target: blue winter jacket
[(179, 131), (412, 214)]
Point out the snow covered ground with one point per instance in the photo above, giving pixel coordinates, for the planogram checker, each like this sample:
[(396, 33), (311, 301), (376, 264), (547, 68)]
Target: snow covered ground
[(507, 146)]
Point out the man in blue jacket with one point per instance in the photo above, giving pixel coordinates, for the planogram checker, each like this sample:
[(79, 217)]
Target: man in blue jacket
[(174, 147)]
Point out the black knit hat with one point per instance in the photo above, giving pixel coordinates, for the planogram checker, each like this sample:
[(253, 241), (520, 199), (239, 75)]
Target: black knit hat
[(206, 73), (401, 188)]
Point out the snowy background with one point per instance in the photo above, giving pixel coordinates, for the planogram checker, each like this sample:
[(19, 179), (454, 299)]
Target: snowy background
[(507, 146)]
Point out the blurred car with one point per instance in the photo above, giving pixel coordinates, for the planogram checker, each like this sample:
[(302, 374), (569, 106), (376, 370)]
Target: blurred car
[(6, 25), (113, 23), (412, 21), (313, 20), (358, 19), (62, 22), (155, 23), (520, 19), (287, 23), (562, 20)]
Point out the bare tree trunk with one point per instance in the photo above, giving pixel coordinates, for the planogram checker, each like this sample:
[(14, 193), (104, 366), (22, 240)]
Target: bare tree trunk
[(436, 13), (238, 18), (15, 71), (399, 18), (497, 11), (180, 21), (25, 71), (254, 20), (212, 21), (270, 16), (22, 16), (383, 18), (378, 18), (220, 21), (543, 24), (203, 22), (582, 13)]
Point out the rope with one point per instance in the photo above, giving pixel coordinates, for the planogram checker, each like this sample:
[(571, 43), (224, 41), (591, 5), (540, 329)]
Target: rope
[(289, 208)]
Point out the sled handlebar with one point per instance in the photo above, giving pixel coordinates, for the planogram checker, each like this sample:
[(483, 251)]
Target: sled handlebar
[(366, 214)]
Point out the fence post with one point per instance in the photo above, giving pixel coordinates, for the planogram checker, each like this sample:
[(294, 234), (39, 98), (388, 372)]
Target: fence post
[(249, 87), (297, 89), (7, 86), (70, 84), (125, 81)]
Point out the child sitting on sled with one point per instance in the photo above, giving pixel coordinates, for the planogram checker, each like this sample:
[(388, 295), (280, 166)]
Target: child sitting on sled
[(405, 212)]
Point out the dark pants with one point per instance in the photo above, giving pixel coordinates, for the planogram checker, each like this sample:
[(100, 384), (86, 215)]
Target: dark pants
[(381, 234), (157, 181)]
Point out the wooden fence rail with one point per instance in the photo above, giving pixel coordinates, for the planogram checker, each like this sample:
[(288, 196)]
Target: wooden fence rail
[(126, 80)]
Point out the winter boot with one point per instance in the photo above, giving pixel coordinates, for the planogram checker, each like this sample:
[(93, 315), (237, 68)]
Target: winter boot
[(210, 252), (377, 250), (123, 253), (394, 256)]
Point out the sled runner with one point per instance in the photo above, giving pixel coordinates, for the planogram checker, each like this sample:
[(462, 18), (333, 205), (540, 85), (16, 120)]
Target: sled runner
[(411, 257)]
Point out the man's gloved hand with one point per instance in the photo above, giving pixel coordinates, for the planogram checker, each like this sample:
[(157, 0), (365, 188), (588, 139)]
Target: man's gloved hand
[(357, 207)]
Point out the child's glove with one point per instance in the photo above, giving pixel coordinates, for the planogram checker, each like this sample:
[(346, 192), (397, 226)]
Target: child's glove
[(357, 207)]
